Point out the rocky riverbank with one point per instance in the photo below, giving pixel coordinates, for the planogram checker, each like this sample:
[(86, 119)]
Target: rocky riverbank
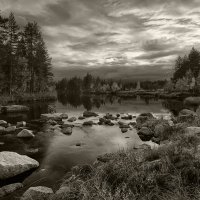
[(141, 172)]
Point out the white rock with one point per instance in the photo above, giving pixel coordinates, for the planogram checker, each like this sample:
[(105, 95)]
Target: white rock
[(37, 193), (3, 123), (25, 133), (12, 164), (7, 189)]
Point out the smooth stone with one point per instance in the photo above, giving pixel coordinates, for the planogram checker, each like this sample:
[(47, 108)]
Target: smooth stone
[(72, 119), (37, 193), (52, 122), (8, 189), (25, 133), (89, 114), (12, 164)]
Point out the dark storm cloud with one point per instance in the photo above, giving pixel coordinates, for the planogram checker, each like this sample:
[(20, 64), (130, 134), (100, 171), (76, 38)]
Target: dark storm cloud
[(116, 38)]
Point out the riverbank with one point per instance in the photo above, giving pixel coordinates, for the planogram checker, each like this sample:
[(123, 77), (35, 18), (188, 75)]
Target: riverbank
[(27, 97), (169, 166)]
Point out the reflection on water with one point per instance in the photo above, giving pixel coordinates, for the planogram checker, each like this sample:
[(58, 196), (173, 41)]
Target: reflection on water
[(57, 154)]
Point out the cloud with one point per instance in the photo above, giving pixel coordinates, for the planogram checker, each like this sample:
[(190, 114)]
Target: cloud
[(134, 38)]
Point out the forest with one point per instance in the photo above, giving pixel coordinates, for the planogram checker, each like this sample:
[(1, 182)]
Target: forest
[(25, 65), (98, 85), (186, 76)]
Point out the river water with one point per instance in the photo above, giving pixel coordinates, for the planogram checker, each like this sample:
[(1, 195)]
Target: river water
[(57, 154)]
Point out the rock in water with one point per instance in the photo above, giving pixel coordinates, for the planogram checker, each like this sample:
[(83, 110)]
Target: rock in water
[(14, 108), (12, 164), (37, 193), (88, 123), (7, 189), (25, 133), (72, 119), (89, 114), (67, 130)]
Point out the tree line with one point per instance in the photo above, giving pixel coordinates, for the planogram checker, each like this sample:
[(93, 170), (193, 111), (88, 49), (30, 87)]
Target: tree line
[(25, 65), (95, 84)]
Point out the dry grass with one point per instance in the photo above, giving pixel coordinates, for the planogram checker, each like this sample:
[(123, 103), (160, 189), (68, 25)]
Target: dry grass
[(171, 172)]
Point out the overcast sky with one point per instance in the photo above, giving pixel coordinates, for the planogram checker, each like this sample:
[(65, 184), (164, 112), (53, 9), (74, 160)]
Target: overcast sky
[(113, 38)]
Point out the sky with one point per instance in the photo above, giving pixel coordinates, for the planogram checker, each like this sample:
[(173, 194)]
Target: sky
[(122, 39)]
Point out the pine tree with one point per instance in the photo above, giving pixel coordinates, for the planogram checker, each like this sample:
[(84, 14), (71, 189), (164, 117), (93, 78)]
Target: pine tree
[(13, 34)]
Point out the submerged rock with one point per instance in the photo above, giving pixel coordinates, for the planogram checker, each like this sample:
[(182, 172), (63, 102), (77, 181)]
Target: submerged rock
[(89, 114), (37, 193), (25, 133), (12, 164), (14, 108), (7, 189)]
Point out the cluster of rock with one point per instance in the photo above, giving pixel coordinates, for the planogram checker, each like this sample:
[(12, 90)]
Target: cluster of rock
[(11, 165)]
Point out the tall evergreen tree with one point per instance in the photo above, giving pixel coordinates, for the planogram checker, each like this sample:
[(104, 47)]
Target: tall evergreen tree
[(13, 36)]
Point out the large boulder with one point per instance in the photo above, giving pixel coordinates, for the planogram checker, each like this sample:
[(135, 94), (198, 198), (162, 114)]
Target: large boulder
[(12, 164), (192, 101), (37, 193), (25, 133), (7, 189), (14, 108), (145, 134), (2, 130), (89, 114)]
